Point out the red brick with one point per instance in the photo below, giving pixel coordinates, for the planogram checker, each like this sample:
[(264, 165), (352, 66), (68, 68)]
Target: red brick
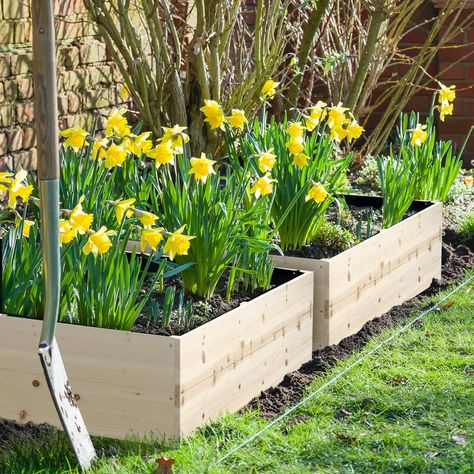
[(67, 29), (96, 99), (26, 159), (62, 104), (3, 145), (74, 103), (5, 65), (73, 80), (452, 72), (6, 115), (15, 139), (25, 87), (7, 33), (23, 32), (64, 7), (21, 63), (24, 112), (90, 28), (452, 54), (13, 9), (6, 163), (69, 57), (29, 137), (92, 52)]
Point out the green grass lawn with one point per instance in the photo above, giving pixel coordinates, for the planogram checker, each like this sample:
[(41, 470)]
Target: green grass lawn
[(409, 407)]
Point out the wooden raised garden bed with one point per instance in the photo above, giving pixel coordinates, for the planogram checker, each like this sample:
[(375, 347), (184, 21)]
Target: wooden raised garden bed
[(138, 383), (365, 281)]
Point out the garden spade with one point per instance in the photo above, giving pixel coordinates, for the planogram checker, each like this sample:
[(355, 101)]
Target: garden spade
[(46, 116)]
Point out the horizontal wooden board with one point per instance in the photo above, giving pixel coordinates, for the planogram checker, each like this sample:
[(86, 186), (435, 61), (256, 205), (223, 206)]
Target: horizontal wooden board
[(368, 279), (265, 343), (125, 381)]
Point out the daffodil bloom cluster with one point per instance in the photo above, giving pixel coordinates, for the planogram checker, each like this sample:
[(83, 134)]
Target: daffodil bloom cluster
[(341, 125), (446, 96), (16, 187), (214, 114)]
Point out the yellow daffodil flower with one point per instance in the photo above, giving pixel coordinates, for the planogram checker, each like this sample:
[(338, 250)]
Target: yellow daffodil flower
[(338, 134), (151, 237), (446, 94), (445, 109), (75, 137), (201, 168), (317, 193), (317, 114), (117, 124), (98, 242), (5, 179), (162, 154), (269, 88), (148, 219), (123, 208), (176, 137), (295, 130), (17, 189), (300, 160), (214, 114), (353, 131), (140, 144), (115, 156), (295, 146), (26, 226), (124, 93), (237, 119), (266, 161), (262, 186), (177, 244), (468, 181), (67, 233), (80, 220), (99, 150), (337, 116), (419, 135)]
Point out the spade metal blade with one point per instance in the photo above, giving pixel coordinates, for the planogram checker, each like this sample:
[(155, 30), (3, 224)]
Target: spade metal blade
[(65, 404)]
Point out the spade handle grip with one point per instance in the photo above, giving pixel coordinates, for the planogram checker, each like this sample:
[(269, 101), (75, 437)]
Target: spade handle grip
[(44, 77)]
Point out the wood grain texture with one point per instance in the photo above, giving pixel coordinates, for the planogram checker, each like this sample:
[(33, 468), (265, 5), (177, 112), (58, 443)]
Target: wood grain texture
[(45, 97), (137, 383), (367, 280)]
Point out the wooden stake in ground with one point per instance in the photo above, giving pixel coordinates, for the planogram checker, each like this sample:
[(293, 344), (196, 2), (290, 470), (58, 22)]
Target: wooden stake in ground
[(46, 116)]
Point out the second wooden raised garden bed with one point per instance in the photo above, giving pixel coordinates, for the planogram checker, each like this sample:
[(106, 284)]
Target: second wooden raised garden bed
[(368, 279)]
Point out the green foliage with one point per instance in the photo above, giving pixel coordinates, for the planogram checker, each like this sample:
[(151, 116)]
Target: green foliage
[(435, 165), (296, 219), (22, 275), (214, 213), (333, 236), (397, 185), (467, 226)]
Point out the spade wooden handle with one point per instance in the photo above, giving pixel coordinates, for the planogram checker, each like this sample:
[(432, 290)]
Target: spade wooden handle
[(46, 96)]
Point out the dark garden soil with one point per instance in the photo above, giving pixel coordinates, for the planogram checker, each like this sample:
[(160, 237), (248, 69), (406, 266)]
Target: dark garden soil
[(457, 256)]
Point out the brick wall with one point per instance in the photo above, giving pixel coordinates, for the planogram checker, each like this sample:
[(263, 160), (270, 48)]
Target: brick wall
[(460, 73), (88, 82)]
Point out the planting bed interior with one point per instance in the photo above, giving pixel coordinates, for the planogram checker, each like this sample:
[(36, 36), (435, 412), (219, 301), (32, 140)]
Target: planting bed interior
[(366, 280), (127, 382)]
